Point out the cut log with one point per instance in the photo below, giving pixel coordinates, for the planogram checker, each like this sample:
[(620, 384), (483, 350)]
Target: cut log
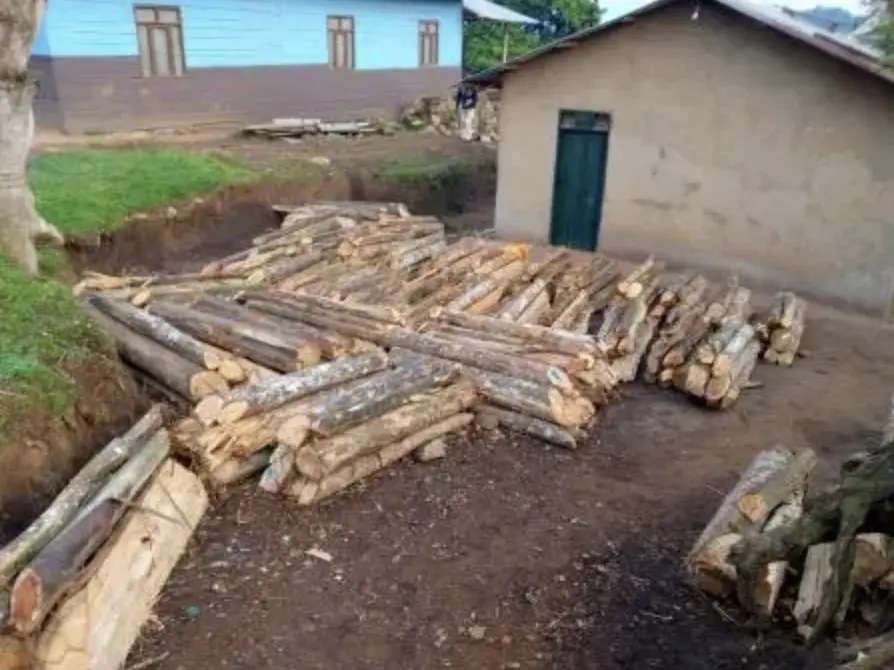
[(723, 363), (309, 491), (725, 389), (555, 340), (719, 306), (521, 423), (784, 484), (66, 505), (627, 366), (321, 459), (383, 314), (768, 586), (332, 344), (692, 378), (241, 403), (55, 570), (169, 368), (431, 451), (285, 354), (156, 329), (234, 470), (91, 630), (536, 309), (711, 546), (566, 319), (540, 401)]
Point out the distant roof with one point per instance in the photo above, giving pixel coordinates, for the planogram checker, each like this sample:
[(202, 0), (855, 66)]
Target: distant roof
[(491, 10), (847, 50)]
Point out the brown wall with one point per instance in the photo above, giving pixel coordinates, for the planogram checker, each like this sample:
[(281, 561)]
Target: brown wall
[(105, 94), (732, 147)]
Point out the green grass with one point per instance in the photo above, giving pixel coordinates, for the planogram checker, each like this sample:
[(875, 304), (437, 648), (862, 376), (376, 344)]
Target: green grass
[(86, 191), (426, 168), (81, 192)]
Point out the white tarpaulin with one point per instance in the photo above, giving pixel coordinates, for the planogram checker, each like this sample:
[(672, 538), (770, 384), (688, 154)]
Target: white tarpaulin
[(490, 10)]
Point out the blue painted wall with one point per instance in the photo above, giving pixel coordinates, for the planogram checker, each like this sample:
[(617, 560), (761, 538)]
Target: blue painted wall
[(239, 33)]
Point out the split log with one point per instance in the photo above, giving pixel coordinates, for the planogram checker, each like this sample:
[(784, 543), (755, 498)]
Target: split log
[(720, 305), (169, 368), (627, 366), (55, 570), (536, 309), (710, 561), (66, 505), (318, 460), (769, 583), (242, 403), (690, 297), (515, 307), (91, 630), (815, 576), (309, 491), (631, 321), (489, 416), (692, 378), (634, 284), (234, 470), (566, 319)]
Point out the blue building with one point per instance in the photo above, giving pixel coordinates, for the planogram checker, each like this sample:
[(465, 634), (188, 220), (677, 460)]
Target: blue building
[(115, 64)]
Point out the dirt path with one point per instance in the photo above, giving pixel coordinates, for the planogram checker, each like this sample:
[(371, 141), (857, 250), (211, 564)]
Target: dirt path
[(554, 559)]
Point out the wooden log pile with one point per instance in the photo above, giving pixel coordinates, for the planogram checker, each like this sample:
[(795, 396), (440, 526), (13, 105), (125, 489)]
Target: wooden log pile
[(782, 328), (262, 348), (77, 585), (826, 564)]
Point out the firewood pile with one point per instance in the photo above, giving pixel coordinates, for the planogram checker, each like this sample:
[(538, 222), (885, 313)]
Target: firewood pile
[(78, 583), (439, 114), (355, 334), (825, 562)]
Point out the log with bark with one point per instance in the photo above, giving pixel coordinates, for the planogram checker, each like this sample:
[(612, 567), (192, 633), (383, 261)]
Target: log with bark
[(56, 569), (69, 502), (95, 627), (491, 417)]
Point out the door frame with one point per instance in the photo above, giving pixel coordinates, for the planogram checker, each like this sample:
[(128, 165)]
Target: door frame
[(603, 125)]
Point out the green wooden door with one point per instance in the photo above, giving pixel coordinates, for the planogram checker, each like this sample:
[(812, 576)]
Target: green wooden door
[(579, 186)]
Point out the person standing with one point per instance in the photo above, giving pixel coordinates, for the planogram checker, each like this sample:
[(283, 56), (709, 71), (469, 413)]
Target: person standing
[(467, 111)]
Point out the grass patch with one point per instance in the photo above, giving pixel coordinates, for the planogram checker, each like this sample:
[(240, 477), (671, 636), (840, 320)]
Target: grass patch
[(81, 192), (86, 191), (427, 168)]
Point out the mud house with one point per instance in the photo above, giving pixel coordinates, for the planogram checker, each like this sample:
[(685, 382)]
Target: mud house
[(112, 64), (709, 133)]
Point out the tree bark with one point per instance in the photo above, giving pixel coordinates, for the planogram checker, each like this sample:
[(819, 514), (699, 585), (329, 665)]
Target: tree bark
[(489, 416), (174, 371), (318, 460), (309, 491), (56, 569), (68, 503), (95, 628), (242, 403)]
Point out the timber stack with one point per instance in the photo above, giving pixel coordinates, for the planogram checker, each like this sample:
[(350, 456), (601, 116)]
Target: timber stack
[(363, 304), (827, 565), (77, 585)]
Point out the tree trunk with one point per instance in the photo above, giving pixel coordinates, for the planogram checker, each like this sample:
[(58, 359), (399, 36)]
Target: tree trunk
[(68, 503), (21, 227), (95, 628), (56, 569)]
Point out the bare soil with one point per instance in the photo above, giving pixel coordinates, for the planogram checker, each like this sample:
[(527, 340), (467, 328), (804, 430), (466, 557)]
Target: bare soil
[(509, 553)]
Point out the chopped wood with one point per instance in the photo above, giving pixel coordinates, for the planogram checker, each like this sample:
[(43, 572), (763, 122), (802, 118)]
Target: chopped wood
[(95, 628), (708, 559)]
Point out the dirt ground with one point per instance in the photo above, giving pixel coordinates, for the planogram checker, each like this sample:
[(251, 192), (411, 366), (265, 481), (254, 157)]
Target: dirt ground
[(509, 553)]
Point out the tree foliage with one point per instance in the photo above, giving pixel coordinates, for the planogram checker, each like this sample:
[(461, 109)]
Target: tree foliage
[(484, 39)]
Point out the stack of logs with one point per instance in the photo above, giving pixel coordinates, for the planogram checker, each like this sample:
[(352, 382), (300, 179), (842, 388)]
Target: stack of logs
[(111, 536), (363, 305), (827, 564)]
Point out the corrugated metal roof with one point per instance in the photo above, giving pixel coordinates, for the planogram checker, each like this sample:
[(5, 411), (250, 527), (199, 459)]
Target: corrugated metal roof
[(849, 51), (491, 10)]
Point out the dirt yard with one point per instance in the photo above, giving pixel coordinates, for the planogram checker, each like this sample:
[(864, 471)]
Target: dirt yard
[(508, 554)]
